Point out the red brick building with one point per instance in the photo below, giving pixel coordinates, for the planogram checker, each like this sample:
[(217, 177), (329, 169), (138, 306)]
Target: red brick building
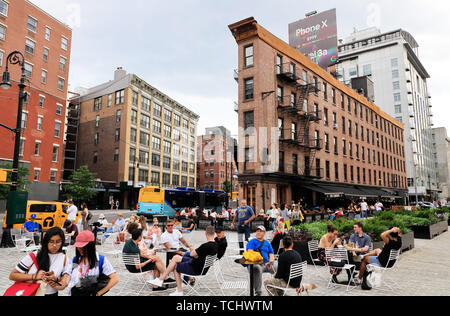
[(304, 134), (46, 44), (216, 157)]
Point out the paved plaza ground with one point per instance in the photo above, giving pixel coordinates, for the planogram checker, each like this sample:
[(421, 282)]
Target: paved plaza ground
[(423, 271)]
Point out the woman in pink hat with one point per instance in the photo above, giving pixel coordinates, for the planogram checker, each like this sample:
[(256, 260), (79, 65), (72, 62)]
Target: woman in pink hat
[(88, 267)]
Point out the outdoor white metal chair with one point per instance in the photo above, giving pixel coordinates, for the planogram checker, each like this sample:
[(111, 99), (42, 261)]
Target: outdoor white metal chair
[(297, 270), (313, 247), (110, 248), (140, 277), (280, 250), (228, 285), (392, 262), (199, 279), (340, 255), (26, 245)]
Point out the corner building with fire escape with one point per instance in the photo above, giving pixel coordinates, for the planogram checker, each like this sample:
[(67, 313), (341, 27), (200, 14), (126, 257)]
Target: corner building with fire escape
[(304, 134)]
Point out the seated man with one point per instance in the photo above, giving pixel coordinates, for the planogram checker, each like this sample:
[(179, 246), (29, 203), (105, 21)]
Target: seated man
[(392, 241), (259, 244), (172, 239), (283, 268), (221, 241), (118, 226), (32, 229), (149, 261), (192, 263), (100, 226), (360, 240), (72, 231)]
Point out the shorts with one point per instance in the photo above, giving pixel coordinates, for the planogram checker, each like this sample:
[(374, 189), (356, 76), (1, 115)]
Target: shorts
[(374, 261), (148, 267), (185, 266)]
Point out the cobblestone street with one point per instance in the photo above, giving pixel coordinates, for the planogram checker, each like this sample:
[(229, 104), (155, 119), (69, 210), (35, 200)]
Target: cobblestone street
[(423, 271)]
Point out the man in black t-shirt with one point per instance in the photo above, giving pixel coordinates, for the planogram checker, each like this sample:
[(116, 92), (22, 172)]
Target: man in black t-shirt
[(191, 263), (392, 241), (221, 241), (285, 261)]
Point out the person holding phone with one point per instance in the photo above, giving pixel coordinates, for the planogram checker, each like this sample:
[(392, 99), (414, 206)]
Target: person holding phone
[(51, 264)]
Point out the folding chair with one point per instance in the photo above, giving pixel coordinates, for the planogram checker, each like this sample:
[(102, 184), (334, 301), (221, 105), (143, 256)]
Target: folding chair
[(280, 250), (313, 247), (393, 257), (21, 245), (228, 285), (209, 262), (134, 260), (116, 250), (297, 270), (339, 255)]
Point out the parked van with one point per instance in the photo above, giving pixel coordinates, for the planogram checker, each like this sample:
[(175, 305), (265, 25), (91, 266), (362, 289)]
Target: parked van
[(48, 214)]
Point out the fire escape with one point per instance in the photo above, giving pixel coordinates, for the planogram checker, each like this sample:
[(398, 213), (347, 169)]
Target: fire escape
[(305, 114)]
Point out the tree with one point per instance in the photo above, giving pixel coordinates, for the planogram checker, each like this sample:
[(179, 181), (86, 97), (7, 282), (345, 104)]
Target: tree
[(81, 187), (226, 186), (22, 180)]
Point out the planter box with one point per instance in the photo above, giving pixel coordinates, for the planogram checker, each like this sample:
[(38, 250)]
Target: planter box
[(429, 232), (309, 218), (407, 242)]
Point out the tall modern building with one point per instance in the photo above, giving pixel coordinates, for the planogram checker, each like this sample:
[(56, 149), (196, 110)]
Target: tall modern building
[(391, 60), (46, 44), (132, 135), (441, 143), (304, 134)]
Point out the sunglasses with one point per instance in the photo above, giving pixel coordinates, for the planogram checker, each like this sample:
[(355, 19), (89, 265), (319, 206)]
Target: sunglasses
[(169, 225)]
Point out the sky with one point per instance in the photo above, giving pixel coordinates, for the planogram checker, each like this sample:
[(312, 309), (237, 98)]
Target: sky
[(185, 49)]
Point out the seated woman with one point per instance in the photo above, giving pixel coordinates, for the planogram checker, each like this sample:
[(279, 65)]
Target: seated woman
[(191, 227), (154, 232), (278, 237)]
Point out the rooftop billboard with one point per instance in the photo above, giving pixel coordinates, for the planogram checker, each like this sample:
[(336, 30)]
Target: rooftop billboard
[(316, 37)]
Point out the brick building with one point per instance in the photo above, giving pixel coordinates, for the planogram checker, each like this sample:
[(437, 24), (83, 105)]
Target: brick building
[(305, 134), (216, 156), (46, 44), (132, 135)]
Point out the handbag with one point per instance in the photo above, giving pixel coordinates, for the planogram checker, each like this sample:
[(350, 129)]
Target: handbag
[(91, 285), (24, 288)]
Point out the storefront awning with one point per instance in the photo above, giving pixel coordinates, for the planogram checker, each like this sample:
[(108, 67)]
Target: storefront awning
[(336, 190)]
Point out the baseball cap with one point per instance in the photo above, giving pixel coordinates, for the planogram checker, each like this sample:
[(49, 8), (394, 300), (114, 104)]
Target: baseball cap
[(102, 216), (84, 238), (261, 228), (33, 216)]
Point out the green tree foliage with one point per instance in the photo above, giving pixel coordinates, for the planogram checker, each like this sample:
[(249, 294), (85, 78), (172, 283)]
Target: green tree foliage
[(82, 184)]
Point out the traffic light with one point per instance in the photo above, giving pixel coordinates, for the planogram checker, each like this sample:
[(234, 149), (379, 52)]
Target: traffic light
[(4, 176)]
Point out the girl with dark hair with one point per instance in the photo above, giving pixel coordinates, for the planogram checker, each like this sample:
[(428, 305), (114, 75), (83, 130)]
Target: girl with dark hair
[(84, 217), (88, 267), (51, 265)]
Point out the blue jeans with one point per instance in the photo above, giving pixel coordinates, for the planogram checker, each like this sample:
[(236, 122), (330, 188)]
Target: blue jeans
[(364, 214), (243, 230)]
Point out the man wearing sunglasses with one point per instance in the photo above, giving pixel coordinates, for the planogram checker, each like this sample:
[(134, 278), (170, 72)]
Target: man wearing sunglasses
[(172, 240)]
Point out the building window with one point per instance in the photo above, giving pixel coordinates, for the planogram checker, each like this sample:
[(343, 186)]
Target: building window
[(167, 116), (249, 122), (248, 51), (398, 109), (397, 97), (176, 120), (143, 157), (48, 32), (155, 178), (156, 143), (28, 70), (55, 153), (280, 95), (24, 120), (41, 101), (248, 89), (157, 126), (167, 147), (97, 104), (279, 64), (145, 122), (394, 62), (64, 43), (2, 32), (117, 135), (62, 63), (61, 83), (37, 148), (57, 129), (53, 175), (4, 8), (39, 122), (367, 70), (118, 116), (45, 56), (120, 97), (36, 174), (396, 85), (134, 98), (44, 77), (32, 24), (146, 103), (395, 74), (134, 116), (109, 100)]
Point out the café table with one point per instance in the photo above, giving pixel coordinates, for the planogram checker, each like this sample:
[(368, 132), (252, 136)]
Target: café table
[(251, 265)]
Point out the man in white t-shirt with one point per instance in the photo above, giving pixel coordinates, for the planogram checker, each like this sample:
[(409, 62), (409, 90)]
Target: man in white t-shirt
[(364, 209), (72, 212), (379, 207), (172, 239)]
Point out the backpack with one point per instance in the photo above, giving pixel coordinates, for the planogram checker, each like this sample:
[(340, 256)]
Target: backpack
[(90, 286)]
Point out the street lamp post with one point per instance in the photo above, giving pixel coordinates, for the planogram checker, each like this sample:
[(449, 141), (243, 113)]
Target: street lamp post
[(15, 58)]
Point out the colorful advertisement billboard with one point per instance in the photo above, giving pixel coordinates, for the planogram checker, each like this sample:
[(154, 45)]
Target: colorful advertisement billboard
[(316, 38)]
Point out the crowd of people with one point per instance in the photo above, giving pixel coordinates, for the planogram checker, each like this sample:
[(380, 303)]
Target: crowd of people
[(51, 266)]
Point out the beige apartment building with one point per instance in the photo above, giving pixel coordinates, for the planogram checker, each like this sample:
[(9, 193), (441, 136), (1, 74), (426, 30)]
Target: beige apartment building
[(304, 134), (132, 135)]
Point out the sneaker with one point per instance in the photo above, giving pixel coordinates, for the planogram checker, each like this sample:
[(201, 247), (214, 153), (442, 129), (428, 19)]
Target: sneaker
[(176, 293), (156, 282), (357, 281), (159, 289), (335, 280), (169, 280)]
